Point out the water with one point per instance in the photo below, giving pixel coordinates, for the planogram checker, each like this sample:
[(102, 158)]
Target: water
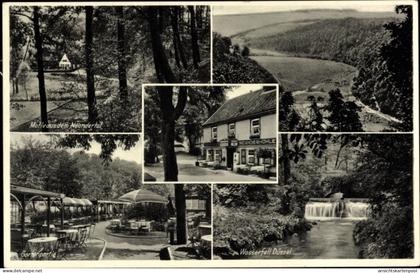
[(331, 236), (330, 210), (326, 240)]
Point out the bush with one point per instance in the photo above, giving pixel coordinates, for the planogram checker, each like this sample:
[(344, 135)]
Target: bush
[(387, 236), (149, 211), (236, 230)]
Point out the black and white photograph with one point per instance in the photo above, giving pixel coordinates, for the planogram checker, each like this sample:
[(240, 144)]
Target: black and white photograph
[(80, 197), (210, 133), (80, 68), (218, 134), (348, 69), (340, 196)]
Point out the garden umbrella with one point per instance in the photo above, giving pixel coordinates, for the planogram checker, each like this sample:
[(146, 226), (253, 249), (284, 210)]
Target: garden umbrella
[(67, 201), (142, 195), (79, 202), (86, 202)]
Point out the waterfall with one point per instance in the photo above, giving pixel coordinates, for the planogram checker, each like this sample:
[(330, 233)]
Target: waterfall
[(357, 210), (336, 209)]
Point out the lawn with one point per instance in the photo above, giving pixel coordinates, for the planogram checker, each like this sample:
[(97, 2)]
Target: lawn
[(60, 86), (300, 73)]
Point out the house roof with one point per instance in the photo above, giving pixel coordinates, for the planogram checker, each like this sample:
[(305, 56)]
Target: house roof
[(250, 105)]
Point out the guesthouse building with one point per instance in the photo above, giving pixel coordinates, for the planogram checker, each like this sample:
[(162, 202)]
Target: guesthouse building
[(241, 135)]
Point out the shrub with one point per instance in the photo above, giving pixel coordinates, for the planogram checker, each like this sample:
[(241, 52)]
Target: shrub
[(149, 211), (389, 235), (236, 230)]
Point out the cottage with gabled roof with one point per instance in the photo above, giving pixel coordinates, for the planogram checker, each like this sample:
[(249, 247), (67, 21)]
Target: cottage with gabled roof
[(241, 134), (64, 62)]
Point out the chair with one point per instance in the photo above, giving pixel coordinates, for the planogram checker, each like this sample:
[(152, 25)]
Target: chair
[(194, 242), (91, 230), (134, 227), (82, 238), (29, 254)]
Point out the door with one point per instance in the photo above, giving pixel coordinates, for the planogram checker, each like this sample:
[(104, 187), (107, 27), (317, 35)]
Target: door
[(230, 152)]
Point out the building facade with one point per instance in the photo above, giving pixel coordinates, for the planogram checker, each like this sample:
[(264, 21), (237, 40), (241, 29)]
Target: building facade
[(65, 63), (242, 133)]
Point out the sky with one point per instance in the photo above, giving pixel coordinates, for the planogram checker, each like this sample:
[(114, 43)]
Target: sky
[(242, 89), (254, 7), (134, 154)]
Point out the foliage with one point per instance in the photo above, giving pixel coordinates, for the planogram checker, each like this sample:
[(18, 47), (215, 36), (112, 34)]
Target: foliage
[(343, 114), (108, 142), (149, 211), (382, 82), (388, 236), (331, 39), (38, 165), (240, 195), (236, 230), (234, 68)]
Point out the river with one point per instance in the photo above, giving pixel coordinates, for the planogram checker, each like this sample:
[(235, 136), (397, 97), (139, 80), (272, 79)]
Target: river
[(326, 240)]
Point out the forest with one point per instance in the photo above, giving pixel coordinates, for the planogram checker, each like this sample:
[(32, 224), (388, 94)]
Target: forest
[(378, 48), (233, 65), (110, 52), (375, 167), (50, 165)]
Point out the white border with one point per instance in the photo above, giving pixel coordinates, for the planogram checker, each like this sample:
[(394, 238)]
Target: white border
[(215, 263)]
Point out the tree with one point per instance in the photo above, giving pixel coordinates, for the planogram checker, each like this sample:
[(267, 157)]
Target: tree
[(170, 114), (90, 80), (122, 65), (40, 66), (194, 38), (398, 54), (178, 45), (343, 115), (245, 51)]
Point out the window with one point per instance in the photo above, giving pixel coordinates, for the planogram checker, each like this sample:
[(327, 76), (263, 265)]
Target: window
[(214, 133), (255, 127), (210, 155), (268, 160), (251, 156), (243, 156), (231, 130), (218, 155)]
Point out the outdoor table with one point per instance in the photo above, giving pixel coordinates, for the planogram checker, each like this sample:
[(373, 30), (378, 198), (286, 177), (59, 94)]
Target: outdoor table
[(144, 225), (41, 245), (116, 222), (71, 234), (207, 239), (204, 229)]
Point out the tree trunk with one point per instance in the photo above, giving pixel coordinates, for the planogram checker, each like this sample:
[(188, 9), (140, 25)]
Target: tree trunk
[(194, 38), (191, 142), (169, 157), (177, 37), (181, 219), (163, 70), (40, 66), (90, 80), (122, 64), (286, 160)]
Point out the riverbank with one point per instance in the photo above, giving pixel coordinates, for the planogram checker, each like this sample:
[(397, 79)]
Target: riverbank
[(240, 231)]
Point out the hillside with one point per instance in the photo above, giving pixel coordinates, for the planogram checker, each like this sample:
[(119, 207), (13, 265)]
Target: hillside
[(332, 39), (229, 25)]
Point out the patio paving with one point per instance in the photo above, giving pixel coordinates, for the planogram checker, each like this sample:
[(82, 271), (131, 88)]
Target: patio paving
[(188, 172), (139, 248)]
